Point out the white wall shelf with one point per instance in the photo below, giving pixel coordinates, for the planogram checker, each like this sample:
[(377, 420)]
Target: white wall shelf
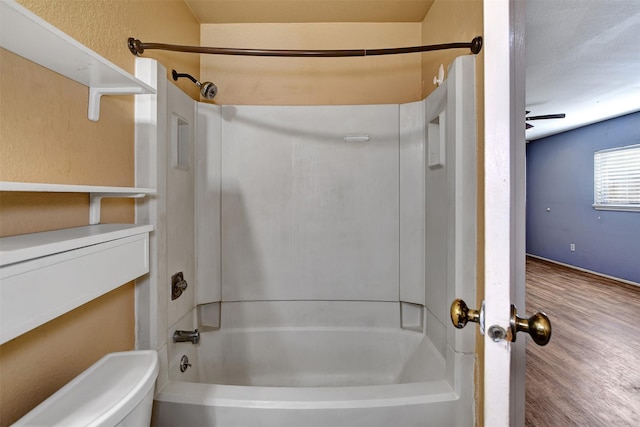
[(96, 193), (44, 275), (25, 247), (26, 34)]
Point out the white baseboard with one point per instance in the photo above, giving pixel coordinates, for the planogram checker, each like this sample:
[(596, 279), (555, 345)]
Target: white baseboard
[(629, 282)]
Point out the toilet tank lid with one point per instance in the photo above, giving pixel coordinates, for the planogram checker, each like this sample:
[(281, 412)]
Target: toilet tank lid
[(102, 395)]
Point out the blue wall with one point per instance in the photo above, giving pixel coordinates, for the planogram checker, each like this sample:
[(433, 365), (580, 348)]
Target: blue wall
[(560, 177)]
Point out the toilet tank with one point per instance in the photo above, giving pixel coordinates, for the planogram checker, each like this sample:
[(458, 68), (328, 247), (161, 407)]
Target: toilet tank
[(115, 391)]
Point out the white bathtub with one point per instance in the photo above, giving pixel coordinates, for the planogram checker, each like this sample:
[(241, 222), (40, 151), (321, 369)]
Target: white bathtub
[(371, 375)]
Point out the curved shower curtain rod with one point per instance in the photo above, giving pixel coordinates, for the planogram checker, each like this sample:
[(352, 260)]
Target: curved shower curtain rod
[(137, 48)]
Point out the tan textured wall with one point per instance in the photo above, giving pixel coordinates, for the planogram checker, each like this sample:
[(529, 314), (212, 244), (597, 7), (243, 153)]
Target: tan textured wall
[(460, 21), (45, 136), (313, 81), (449, 21)]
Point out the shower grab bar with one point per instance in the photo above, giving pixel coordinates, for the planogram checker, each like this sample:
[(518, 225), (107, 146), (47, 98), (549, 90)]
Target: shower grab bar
[(137, 48)]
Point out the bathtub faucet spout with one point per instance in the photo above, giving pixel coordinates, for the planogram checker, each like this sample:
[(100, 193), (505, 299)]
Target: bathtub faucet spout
[(186, 336)]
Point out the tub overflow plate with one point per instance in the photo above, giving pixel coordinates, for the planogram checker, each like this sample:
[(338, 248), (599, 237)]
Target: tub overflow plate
[(184, 363)]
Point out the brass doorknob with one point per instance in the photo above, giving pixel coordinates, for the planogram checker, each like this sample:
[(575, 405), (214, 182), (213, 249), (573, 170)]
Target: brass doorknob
[(461, 314), (537, 326)]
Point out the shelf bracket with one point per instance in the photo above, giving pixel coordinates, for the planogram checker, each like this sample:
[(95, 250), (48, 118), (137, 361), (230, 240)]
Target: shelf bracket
[(95, 200), (95, 94)]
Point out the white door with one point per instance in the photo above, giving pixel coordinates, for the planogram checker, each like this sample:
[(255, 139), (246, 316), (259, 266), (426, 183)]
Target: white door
[(504, 361)]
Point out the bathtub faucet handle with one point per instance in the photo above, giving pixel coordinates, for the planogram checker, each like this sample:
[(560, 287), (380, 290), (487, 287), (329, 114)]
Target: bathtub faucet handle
[(178, 285)]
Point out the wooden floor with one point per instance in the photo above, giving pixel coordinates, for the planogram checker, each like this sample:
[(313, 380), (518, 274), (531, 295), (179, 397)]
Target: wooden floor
[(589, 373)]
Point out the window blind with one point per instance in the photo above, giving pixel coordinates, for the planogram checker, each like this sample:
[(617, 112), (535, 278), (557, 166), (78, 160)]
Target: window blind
[(617, 178)]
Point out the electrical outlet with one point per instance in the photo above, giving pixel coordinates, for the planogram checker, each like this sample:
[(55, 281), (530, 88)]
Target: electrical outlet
[(572, 247)]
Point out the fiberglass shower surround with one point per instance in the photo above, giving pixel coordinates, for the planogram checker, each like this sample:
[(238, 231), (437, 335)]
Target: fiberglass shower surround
[(329, 242)]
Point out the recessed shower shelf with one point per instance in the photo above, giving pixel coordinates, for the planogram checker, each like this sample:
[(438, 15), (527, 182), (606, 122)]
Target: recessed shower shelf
[(26, 34), (96, 193)]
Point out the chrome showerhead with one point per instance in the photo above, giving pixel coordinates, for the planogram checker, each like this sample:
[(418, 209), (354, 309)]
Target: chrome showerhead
[(208, 90)]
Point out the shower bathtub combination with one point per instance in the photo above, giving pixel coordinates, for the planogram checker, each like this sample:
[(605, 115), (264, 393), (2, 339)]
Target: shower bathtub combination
[(350, 374), (321, 247)]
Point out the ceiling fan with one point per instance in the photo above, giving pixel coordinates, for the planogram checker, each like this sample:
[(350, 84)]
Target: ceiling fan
[(544, 117)]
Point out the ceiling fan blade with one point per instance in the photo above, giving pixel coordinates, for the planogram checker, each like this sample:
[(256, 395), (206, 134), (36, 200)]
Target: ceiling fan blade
[(548, 116)]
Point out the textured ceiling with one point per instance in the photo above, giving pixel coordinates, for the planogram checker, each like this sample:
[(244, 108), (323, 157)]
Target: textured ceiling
[(285, 11), (582, 59)]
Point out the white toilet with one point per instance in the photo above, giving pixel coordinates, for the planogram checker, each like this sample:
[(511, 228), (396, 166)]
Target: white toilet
[(115, 391)]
